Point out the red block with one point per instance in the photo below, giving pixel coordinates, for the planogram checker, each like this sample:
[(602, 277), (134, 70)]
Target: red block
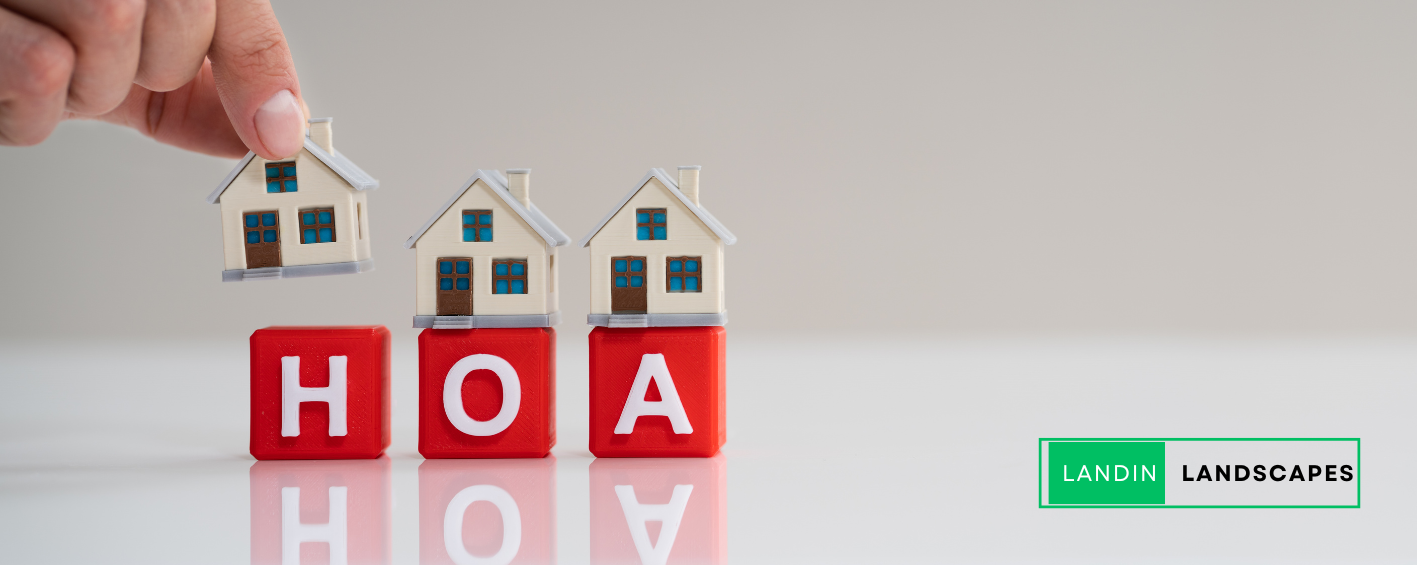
[(503, 382), (640, 371), (318, 512), (487, 511), (319, 392), (659, 511)]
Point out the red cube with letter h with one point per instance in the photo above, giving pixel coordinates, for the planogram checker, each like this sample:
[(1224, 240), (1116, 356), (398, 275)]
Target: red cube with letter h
[(319, 392), (486, 393), (657, 392)]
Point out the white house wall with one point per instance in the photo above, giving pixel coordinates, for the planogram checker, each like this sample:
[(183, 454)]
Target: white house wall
[(319, 187), (512, 238), (687, 236)]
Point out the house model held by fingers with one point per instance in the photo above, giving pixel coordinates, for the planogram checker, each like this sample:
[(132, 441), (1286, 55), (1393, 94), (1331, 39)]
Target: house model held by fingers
[(657, 258), (301, 216), (487, 258)]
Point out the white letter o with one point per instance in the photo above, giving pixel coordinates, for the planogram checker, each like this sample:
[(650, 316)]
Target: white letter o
[(511, 395)]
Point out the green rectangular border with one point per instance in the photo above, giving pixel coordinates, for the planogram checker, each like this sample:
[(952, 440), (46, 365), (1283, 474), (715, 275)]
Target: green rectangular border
[(1358, 471)]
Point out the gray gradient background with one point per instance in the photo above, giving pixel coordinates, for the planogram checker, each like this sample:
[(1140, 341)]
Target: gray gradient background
[(977, 168)]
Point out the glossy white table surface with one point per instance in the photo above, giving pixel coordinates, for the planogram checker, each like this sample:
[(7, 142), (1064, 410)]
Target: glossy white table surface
[(840, 451)]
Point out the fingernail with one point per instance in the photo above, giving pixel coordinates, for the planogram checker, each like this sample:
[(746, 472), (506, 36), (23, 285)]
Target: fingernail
[(280, 124)]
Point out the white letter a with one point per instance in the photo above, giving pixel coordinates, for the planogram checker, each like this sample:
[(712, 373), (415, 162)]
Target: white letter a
[(652, 367)]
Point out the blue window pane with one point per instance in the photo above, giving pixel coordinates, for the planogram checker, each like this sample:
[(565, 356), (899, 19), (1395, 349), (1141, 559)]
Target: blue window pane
[(485, 234), (691, 266), (659, 233), (620, 265), (307, 236), (464, 267), (676, 285), (327, 235), (307, 218), (637, 282), (692, 283), (325, 218), (445, 267), (659, 217), (501, 269), (621, 282), (252, 221), (268, 219), (637, 266), (273, 187), (518, 287), (486, 219), (445, 284), (519, 269), (469, 218), (642, 233), (642, 217), (676, 266), (469, 234), (290, 171), (253, 237), (501, 287), (272, 172), (290, 186), (463, 283), (270, 236)]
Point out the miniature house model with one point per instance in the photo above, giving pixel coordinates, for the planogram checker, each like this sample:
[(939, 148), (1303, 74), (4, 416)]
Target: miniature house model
[(657, 258), (487, 259), (304, 215)]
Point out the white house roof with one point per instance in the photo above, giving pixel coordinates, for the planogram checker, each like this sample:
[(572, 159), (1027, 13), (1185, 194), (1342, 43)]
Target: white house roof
[(336, 161), (703, 214), (533, 217)]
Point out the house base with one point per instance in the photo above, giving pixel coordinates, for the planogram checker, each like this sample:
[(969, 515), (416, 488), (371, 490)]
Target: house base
[(294, 271), (471, 322), (656, 320)]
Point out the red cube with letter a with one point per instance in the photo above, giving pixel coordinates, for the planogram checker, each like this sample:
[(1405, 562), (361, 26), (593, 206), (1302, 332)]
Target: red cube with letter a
[(319, 392), (486, 392), (657, 392)]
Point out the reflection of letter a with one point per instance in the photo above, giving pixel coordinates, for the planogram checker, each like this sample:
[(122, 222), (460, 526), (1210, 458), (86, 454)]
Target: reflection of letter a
[(669, 515), (511, 525)]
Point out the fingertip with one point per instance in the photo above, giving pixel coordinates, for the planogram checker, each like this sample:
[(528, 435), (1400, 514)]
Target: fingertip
[(280, 126)]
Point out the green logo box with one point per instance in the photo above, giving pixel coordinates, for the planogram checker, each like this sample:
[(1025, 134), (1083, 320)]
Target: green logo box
[(1126, 472)]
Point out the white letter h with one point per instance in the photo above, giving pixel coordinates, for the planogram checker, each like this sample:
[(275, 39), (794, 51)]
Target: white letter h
[(292, 394)]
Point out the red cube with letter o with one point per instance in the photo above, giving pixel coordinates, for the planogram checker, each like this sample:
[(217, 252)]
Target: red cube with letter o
[(486, 393)]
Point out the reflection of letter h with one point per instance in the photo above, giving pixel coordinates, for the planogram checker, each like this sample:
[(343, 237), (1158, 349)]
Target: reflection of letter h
[(293, 533), (292, 394)]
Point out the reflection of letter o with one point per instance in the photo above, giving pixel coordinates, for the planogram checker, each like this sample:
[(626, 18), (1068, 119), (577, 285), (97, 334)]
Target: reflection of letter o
[(511, 395), (511, 525)]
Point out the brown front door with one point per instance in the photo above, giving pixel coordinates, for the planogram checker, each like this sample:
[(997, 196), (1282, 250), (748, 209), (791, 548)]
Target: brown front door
[(454, 286), (262, 232), (627, 285)]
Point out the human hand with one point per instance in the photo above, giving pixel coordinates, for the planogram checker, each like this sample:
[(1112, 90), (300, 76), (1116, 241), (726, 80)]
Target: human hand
[(213, 76)]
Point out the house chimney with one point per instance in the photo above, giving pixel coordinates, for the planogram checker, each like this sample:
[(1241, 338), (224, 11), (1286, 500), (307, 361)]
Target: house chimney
[(689, 182), (320, 133), (519, 184)]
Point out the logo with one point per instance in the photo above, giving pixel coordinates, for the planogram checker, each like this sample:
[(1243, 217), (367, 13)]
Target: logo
[(1198, 473)]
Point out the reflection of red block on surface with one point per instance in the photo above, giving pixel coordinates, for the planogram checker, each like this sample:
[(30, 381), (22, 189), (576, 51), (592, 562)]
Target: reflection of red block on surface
[(658, 511), (487, 511), (650, 372), (489, 363), (319, 392), (317, 512)]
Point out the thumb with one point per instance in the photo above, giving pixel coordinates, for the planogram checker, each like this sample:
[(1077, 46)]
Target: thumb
[(255, 78)]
